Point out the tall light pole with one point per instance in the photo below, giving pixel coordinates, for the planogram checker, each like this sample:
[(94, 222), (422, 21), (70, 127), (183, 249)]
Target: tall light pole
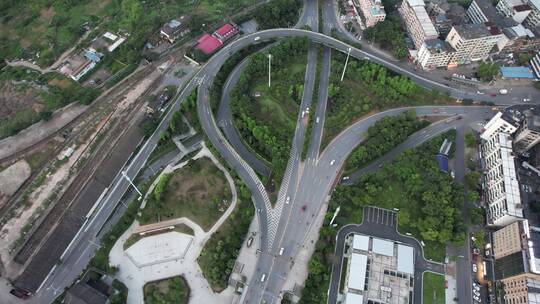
[(269, 67), (345, 67), (132, 184)]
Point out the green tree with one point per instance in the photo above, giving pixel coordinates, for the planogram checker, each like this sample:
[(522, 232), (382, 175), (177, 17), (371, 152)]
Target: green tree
[(487, 71), (132, 11)]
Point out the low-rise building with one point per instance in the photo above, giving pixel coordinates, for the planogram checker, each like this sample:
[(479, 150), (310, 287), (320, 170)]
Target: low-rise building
[(208, 44), (372, 10), (417, 22), (174, 29), (378, 271), (80, 64)]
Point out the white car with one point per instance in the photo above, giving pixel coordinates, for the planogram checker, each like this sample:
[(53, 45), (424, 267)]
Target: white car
[(303, 114), (257, 38), (477, 299), (480, 93), (259, 210), (332, 162), (307, 110), (263, 277), (346, 178), (288, 200), (476, 293), (476, 287), (317, 120), (281, 251), (474, 268), (526, 99)]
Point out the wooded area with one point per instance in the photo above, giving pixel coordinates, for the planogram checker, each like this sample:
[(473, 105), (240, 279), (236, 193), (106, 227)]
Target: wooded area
[(273, 142), (383, 136), (429, 208)]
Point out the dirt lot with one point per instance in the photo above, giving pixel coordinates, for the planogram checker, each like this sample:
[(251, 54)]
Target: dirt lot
[(15, 98)]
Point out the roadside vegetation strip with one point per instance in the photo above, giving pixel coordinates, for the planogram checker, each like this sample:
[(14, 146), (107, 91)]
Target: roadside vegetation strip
[(221, 250), (314, 103), (198, 191), (433, 289), (266, 117), (173, 290), (380, 89), (428, 199), (383, 136)]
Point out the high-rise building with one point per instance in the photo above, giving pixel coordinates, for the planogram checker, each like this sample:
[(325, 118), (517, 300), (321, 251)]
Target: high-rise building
[(472, 42), (417, 22), (434, 53), (528, 134), (533, 18), (516, 9), (517, 263), (501, 188)]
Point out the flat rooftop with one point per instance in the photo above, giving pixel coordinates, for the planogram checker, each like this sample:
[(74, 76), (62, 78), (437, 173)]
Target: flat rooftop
[(379, 271)]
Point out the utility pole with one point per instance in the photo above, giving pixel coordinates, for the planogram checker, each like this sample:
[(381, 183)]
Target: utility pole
[(132, 184), (269, 67), (345, 67)]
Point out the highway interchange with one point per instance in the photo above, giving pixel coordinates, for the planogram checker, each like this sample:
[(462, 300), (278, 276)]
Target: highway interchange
[(306, 183)]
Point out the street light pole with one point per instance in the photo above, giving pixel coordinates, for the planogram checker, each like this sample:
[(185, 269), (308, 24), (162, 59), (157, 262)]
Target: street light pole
[(132, 184), (345, 67), (269, 67)]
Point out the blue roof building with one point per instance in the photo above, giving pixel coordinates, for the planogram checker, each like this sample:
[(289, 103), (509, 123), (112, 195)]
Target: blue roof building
[(517, 72)]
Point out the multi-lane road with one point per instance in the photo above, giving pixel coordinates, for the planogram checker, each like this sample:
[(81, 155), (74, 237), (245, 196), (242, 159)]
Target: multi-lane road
[(309, 183)]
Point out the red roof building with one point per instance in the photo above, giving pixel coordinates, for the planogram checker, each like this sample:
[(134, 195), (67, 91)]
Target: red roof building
[(226, 31), (208, 44)]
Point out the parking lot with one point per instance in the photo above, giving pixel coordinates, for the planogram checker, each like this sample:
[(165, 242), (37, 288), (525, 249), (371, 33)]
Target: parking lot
[(375, 215)]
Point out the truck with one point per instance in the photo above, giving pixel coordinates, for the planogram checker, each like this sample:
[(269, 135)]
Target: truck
[(503, 91)]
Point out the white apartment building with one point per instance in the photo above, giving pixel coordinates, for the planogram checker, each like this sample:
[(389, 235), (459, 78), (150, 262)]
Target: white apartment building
[(501, 187), (372, 10), (535, 64), (528, 134), (472, 42), (417, 22), (516, 9), (498, 124)]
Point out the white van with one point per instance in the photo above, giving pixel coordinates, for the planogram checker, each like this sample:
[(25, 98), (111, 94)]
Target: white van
[(281, 251)]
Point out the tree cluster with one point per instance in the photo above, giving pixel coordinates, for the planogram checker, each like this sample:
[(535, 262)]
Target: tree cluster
[(390, 35), (177, 292), (383, 136), (487, 71), (428, 200), (270, 141), (278, 14)]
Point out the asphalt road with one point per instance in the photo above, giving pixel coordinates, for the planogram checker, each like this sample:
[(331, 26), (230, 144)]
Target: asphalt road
[(312, 190), (226, 123)]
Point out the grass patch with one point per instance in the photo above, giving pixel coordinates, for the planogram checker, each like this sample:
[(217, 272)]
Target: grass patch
[(198, 191), (220, 252), (134, 238), (173, 290), (433, 288)]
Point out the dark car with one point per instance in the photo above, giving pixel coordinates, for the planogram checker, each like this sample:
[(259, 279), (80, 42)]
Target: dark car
[(304, 208)]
